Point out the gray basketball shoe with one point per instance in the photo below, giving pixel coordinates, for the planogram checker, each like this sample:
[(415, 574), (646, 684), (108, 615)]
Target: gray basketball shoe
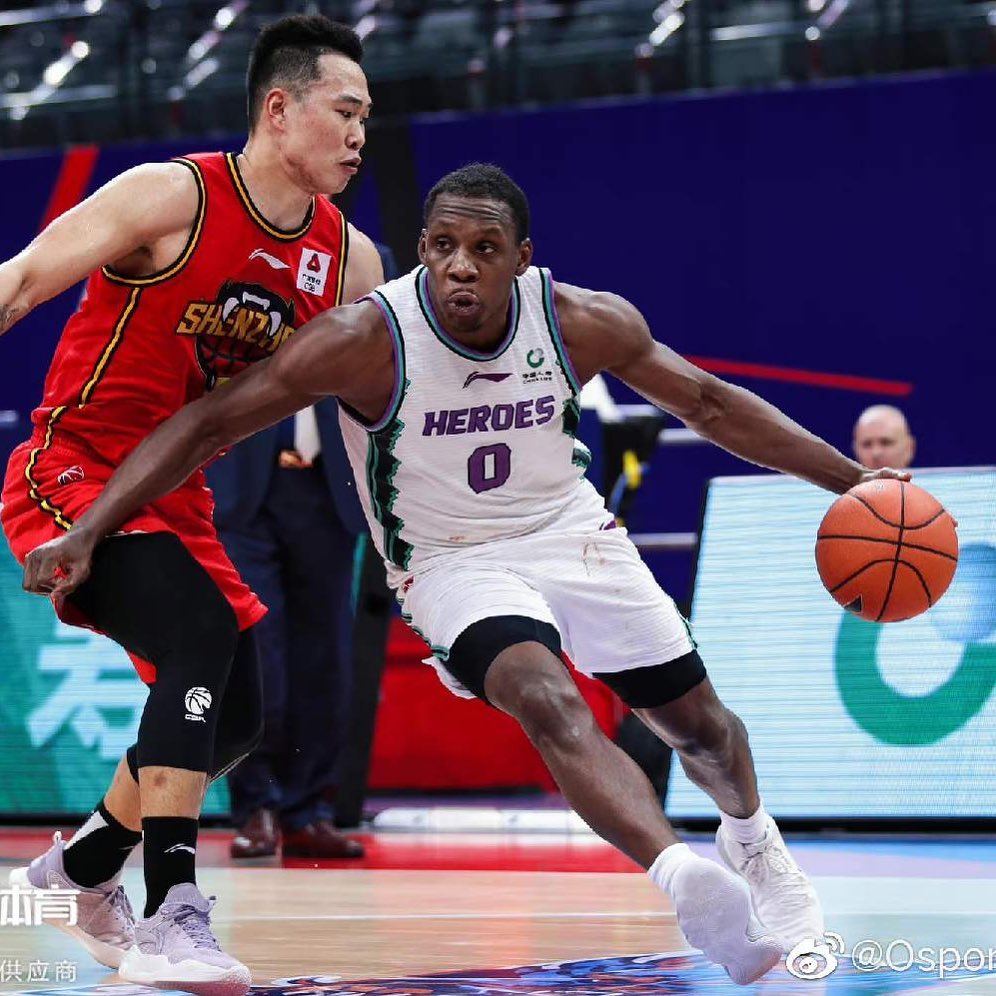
[(105, 923), (175, 949)]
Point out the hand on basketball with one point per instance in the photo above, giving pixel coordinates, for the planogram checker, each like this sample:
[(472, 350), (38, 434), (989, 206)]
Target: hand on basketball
[(886, 473), (889, 474), (59, 567)]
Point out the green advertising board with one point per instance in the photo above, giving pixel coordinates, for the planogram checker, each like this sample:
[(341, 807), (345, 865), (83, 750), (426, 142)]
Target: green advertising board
[(847, 718)]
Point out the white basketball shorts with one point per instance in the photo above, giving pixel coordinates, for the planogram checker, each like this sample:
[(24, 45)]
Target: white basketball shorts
[(592, 586)]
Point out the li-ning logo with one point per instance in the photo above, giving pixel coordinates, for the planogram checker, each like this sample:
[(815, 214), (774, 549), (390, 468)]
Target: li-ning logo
[(535, 358), (277, 264), (179, 847), (198, 701), (71, 475), (477, 375)]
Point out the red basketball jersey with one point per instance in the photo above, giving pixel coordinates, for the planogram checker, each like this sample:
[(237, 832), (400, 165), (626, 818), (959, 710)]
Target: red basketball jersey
[(138, 349)]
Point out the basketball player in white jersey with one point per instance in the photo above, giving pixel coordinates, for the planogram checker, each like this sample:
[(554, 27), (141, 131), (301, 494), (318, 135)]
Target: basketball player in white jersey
[(459, 389)]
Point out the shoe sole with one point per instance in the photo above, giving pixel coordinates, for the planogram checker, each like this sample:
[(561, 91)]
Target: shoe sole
[(187, 976), (782, 939), (107, 954)]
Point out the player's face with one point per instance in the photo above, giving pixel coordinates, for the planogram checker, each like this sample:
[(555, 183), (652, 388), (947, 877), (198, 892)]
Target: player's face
[(470, 249), (883, 442), (324, 127)]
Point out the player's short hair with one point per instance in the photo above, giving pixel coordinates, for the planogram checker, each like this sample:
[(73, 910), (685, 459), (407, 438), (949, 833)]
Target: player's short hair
[(286, 54), (487, 182)]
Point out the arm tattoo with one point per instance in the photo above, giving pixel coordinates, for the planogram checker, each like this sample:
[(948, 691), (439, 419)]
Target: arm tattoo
[(8, 315)]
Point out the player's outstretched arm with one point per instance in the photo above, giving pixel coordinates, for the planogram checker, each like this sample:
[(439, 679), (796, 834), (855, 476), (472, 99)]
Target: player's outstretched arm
[(605, 332), (125, 216), (344, 351)]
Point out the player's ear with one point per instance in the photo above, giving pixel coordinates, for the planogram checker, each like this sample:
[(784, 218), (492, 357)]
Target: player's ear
[(421, 247), (275, 106), (525, 257)]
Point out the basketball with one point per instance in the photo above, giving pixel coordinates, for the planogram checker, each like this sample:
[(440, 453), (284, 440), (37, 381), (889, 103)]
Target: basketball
[(887, 550)]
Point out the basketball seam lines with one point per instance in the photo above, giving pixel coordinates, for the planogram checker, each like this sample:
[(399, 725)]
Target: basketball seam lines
[(899, 550), (896, 525), (923, 525), (930, 600), (861, 570), (873, 539)]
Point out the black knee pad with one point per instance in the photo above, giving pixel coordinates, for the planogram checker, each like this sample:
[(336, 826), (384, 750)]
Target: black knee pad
[(147, 592), (475, 649), (193, 662), (180, 721), (659, 684), (240, 724)]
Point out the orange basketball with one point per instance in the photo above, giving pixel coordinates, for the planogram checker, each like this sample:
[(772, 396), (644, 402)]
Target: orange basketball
[(887, 550)]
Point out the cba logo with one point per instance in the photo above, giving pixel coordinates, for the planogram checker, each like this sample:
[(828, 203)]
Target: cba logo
[(966, 616), (198, 701), (245, 324), (813, 959)]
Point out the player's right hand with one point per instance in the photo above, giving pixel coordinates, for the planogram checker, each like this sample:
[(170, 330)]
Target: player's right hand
[(60, 566)]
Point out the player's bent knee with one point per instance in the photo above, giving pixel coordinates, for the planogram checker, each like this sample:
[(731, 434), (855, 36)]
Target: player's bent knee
[(550, 710), (182, 713), (648, 688), (477, 647)]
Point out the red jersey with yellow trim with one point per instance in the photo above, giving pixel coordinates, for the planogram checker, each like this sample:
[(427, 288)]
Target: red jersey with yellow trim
[(139, 349)]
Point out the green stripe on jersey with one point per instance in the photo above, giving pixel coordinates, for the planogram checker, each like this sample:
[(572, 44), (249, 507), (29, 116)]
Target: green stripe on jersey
[(382, 466), (553, 327), (581, 455)]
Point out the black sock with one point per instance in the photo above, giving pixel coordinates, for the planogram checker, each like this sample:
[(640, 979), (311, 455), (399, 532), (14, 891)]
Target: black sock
[(98, 849), (170, 855)]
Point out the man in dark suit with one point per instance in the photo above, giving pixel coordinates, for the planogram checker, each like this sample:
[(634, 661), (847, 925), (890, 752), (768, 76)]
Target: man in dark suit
[(287, 512)]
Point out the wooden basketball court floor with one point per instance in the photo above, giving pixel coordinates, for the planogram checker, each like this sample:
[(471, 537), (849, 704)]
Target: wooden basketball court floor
[(498, 913)]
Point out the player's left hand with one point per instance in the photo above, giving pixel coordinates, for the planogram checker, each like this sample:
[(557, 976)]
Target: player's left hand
[(59, 567)]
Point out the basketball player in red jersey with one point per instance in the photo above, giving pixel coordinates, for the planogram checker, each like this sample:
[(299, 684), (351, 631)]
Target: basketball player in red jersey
[(198, 268)]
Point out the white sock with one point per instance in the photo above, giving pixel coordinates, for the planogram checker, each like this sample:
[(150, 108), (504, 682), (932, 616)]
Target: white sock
[(667, 863), (750, 830)]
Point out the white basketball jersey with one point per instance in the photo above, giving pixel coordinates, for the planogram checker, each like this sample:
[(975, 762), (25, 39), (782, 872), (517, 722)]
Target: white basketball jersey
[(474, 447)]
